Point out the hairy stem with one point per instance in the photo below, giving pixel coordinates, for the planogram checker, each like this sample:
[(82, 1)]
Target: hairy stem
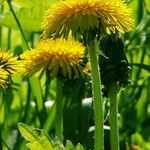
[(114, 132), (97, 96)]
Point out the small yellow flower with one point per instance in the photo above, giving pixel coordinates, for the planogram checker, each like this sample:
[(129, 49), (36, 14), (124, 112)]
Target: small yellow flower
[(3, 78), (83, 15), (59, 56), (88, 67), (8, 66)]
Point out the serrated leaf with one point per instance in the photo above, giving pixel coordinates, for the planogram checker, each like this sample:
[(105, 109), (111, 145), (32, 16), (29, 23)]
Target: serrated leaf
[(42, 143), (28, 132), (39, 140)]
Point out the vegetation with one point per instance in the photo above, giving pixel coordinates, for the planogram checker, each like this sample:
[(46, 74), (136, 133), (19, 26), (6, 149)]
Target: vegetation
[(50, 106)]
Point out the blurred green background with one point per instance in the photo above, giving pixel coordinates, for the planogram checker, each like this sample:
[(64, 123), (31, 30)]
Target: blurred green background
[(33, 103)]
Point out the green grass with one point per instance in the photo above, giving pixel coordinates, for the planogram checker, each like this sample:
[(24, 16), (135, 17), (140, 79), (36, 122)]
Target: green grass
[(32, 100)]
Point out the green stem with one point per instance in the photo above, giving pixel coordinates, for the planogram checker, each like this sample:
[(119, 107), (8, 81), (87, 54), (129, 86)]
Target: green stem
[(114, 132), (24, 118), (98, 104), (59, 110), (0, 36), (48, 81), (9, 39), (5, 144), (27, 107), (32, 40), (17, 21), (1, 10)]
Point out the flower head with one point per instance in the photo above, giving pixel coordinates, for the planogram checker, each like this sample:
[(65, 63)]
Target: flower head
[(83, 15), (8, 66), (59, 56), (3, 78)]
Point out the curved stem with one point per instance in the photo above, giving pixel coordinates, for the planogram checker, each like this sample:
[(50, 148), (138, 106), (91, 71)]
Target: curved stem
[(98, 104), (17, 21), (59, 110), (114, 132)]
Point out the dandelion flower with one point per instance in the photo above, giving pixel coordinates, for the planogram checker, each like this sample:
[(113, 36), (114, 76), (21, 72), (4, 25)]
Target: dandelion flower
[(59, 56), (3, 78), (8, 66), (83, 15)]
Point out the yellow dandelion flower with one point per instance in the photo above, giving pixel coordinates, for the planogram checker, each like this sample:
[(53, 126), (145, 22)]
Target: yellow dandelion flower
[(3, 78), (8, 62), (88, 67), (83, 15), (59, 56), (8, 66)]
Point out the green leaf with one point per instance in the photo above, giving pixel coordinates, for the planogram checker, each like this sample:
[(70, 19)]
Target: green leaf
[(140, 11), (69, 145), (136, 138), (142, 66), (28, 132), (79, 147), (147, 4), (42, 143), (50, 119), (30, 14), (38, 139), (29, 3), (37, 91), (30, 19)]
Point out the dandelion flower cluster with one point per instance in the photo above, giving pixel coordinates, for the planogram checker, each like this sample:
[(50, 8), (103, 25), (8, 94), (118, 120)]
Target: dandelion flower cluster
[(8, 66), (82, 15), (59, 56)]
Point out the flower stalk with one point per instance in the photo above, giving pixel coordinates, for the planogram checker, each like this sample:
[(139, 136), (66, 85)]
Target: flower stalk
[(114, 132), (17, 21), (59, 110), (97, 96), (1, 10)]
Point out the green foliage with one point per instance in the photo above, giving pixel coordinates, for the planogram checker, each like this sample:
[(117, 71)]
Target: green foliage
[(30, 14), (70, 146), (142, 66), (23, 15), (32, 101), (39, 139)]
